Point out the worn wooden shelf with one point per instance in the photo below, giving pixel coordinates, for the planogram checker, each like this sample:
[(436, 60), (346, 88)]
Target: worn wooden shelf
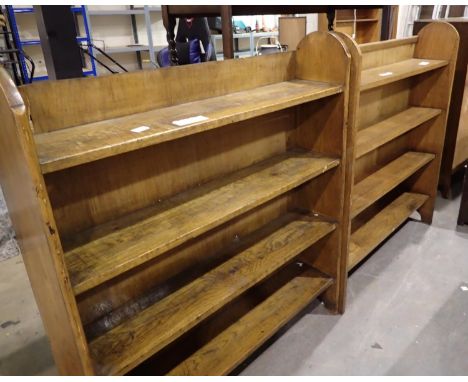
[(357, 21), (376, 185), (227, 350), (111, 249), (73, 146), (386, 74), (125, 346), (376, 230), (377, 135)]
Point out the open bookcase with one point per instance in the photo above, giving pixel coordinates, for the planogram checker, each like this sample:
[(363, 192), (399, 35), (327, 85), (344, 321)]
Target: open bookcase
[(177, 218), (398, 112), (455, 154)]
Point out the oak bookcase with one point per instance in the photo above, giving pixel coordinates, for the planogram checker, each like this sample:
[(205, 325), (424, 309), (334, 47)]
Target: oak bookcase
[(398, 113), (177, 218), (455, 153)]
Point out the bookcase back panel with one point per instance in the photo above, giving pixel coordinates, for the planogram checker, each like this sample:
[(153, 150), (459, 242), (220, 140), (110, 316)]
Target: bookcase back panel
[(141, 178), (60, 104), (386, 55), (382, 102)]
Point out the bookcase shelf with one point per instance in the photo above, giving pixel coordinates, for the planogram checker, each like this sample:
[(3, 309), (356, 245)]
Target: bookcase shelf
[(145, 236), (132, 240), (398, 116), (80, 144)]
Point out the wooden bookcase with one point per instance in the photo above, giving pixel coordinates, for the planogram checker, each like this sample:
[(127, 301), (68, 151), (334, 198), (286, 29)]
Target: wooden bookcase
[(398, 112), (181, 246), (365, 24), (455, 153)]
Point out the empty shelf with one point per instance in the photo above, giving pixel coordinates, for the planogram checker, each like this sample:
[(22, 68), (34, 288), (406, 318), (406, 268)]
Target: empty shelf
[(376, 230), (383, 132), (263, 252), (386, 179), (81, 144), (227, 350), (386, 74), (106, 251), (357, 20)]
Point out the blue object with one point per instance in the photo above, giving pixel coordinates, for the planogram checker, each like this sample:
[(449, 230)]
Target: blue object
[(187, 53), (21, 43)]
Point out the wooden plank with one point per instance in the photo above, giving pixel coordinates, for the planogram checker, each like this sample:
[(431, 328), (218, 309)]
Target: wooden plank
[(34, 224), (377, 229), (380, 45), (385, 131), (227, 350), (382, 75), (111, 249), (386, 179), (81, 144), (127, 345)]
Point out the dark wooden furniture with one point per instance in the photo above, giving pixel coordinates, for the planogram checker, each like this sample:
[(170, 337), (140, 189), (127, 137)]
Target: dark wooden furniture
[(463, 213), (398, 112), (456, 138), (170, 12), (160, 213)]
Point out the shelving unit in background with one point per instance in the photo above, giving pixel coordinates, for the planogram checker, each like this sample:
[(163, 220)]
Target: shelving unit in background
[(398, 114), (364, 24), (252, 36), (163, 237), (135, 46), (23, 43)]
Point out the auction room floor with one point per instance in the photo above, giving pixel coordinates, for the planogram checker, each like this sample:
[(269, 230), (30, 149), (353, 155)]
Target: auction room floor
[(406, 313)]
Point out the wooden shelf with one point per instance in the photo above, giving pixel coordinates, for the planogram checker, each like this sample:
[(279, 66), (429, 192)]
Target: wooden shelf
[(106, 251), (357, 20), (135, 340), (378, 184), (227, 350), (81, 144), (385, 131), (382, 75), (377, 229)]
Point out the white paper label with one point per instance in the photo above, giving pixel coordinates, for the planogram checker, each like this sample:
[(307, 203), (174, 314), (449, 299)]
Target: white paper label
[(140, 129), (189, 121), (424, 63), (385, 74)]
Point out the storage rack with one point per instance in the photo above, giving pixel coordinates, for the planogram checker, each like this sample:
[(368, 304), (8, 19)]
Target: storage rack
[(166, 237), (12, 11), (364, 24), (251, 36), (398, 113), (132, 12)]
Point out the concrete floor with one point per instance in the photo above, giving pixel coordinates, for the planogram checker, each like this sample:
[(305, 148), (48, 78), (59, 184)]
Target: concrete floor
[(406, 314)]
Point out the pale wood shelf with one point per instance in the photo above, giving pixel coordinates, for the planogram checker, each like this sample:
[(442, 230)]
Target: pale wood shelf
[(386, 74), (376, 185), (377, 135), (376, 230)]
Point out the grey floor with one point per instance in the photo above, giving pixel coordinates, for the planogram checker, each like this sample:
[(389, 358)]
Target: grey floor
[(406, 313)]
